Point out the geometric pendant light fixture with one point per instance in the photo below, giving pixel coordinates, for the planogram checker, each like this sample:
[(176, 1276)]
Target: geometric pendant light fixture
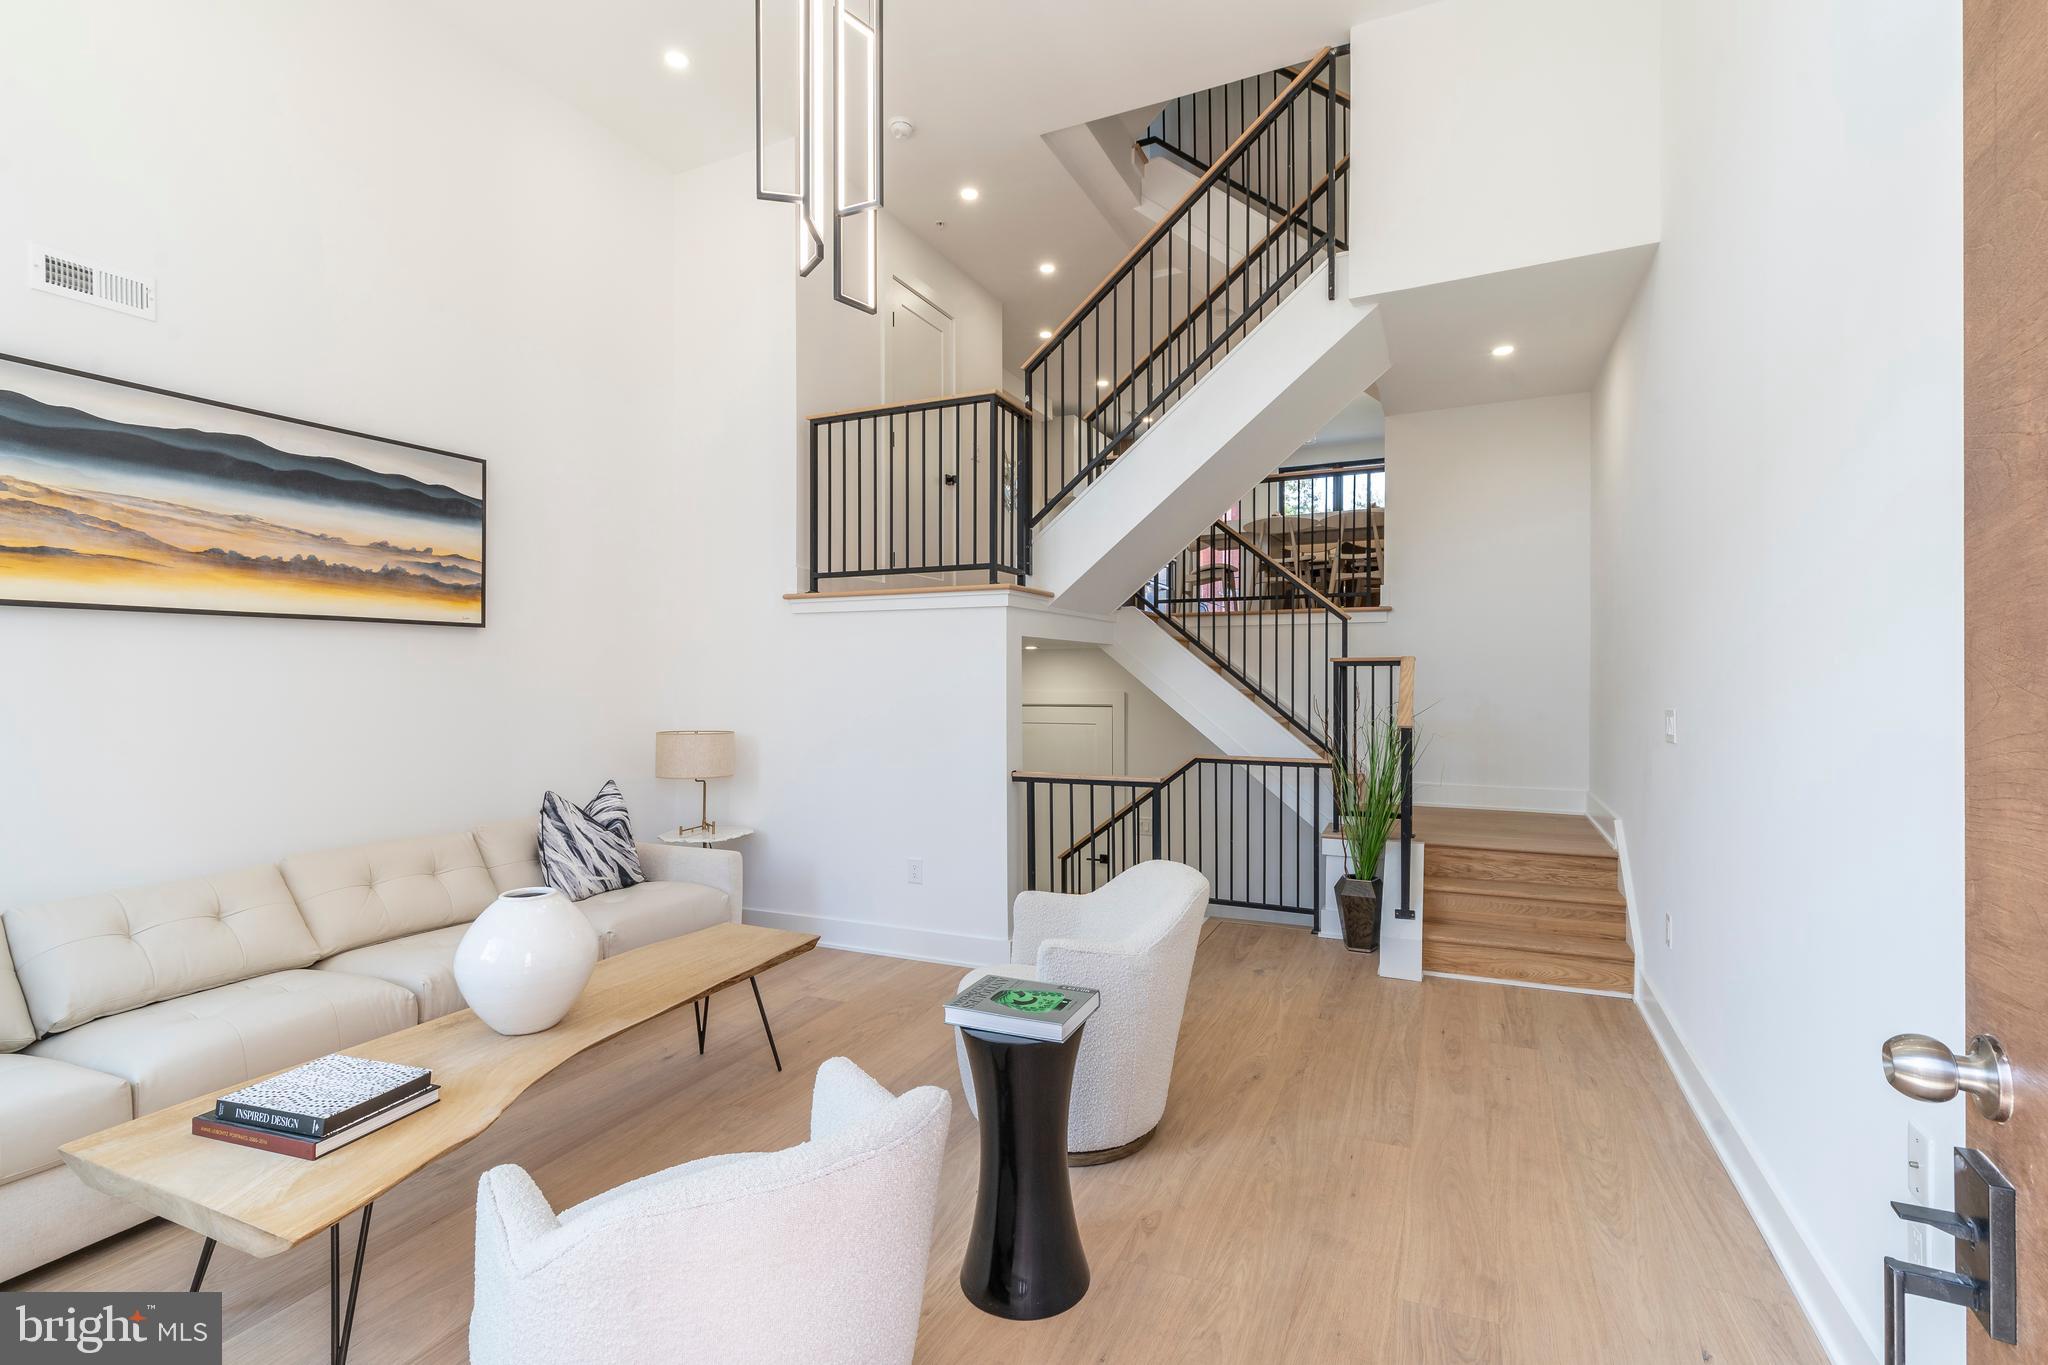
[(818, 133)]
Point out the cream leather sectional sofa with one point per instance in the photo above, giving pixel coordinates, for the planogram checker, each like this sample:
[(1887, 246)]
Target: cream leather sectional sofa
[(120, 1004)]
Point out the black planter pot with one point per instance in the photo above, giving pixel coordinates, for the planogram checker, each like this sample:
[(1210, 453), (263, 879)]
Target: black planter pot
[(1358, 905)]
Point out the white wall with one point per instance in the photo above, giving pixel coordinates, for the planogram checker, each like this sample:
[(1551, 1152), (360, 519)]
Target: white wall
[(1778, 556), (866, 738), (1488, 563), (354, 220), (1491, 134)]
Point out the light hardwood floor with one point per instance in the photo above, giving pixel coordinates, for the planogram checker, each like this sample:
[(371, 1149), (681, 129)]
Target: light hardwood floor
[(1351, 1169)]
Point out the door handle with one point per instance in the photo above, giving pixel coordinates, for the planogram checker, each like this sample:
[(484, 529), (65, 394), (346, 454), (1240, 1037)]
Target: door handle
[(1924, 1069), (1986, 1277)]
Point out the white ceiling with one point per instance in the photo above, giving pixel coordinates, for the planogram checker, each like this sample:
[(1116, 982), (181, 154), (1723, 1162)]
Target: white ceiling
[(983, 81), (1561, 318)]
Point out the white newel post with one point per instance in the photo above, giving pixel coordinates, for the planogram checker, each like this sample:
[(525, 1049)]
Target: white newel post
[(1400, 939)]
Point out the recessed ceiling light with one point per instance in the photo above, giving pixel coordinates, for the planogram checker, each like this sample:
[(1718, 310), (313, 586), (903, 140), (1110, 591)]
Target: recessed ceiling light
[(1046, 267), (1504, 350), (1045, 334), (969, 194), (675, 59), (1102, 383), (1029, 648)]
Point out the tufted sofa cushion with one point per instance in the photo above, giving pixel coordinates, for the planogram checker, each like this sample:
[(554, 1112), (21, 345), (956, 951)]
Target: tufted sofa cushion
[(173, 1050), (17, 1030), (511, 850), (422, 963), (371, 893), (97, 955)]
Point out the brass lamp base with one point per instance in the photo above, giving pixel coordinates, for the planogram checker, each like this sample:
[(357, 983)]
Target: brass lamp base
[(708, 826)]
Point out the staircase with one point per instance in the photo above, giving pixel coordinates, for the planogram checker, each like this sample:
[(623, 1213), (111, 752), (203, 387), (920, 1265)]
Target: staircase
[(1516, 896), (1213, 352)]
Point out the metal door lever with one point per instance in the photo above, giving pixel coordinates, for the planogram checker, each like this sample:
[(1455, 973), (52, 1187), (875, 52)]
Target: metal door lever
[(1902, 1280), (1985, 1279)]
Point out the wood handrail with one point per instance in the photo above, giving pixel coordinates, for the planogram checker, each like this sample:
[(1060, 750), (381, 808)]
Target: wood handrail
[(950, 401), (1230, 277), (1164, 227), (1343, 96), (1290, 575)]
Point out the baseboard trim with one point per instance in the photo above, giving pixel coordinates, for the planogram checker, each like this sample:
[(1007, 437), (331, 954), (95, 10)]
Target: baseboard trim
[(1551, 800), (1819, 1297), (887, 940)]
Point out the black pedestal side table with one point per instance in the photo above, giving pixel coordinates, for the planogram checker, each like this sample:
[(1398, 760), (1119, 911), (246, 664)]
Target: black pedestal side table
[(1024, 1257)]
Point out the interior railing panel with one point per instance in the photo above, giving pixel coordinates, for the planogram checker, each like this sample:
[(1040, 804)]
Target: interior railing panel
[(1251, 825), (930, 490), (1325, 522), (1263, 216), (1268, 628)]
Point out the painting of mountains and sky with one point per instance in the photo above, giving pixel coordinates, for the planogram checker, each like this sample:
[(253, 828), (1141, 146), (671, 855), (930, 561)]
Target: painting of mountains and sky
[(116, 496)]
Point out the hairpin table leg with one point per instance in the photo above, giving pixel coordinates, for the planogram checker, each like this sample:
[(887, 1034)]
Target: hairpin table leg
[(199, 1271), (341, 1325), (764, 1022), (702, 1008)]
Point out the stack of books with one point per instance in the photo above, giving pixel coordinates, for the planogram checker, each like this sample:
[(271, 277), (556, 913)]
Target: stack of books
[(310, 1110), (1023, 1009)]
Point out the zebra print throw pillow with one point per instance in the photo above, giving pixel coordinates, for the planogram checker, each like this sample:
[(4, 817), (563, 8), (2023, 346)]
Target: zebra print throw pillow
[(585, 850)]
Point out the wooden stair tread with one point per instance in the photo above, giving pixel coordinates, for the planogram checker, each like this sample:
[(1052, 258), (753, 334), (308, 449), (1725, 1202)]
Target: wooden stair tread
[(1509, 939), (1510, 831), (1523, 891)]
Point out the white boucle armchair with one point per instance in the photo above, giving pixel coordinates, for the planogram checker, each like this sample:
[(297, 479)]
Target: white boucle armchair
[(1133, 940), (815, 1253)]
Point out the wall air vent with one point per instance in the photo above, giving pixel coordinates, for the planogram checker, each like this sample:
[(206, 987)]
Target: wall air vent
[(70, 275)]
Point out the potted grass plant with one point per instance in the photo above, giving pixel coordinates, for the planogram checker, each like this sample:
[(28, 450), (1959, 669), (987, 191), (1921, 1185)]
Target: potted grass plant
[(1368, 785)]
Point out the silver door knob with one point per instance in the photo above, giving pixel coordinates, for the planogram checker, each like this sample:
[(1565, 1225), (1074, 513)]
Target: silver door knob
[(1924, 1068)]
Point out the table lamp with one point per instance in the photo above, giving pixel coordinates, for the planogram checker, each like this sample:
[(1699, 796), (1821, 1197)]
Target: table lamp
[(694, 755)]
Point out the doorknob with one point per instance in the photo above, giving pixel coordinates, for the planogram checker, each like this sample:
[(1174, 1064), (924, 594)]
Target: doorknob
[(1924, 1068)]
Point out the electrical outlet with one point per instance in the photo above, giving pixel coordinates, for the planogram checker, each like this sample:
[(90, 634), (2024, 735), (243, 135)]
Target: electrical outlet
[(1670, 727), (1667, 928), (1916, 1192), (917, 872)]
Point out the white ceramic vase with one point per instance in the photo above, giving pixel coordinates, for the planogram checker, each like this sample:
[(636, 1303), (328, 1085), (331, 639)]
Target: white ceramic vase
[(525, 960)]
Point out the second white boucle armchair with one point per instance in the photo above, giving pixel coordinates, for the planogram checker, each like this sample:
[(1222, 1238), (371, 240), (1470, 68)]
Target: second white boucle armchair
[(1134, 940), (816, 1253)]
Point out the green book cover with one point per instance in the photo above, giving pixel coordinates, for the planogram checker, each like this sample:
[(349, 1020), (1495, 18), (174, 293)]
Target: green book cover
[(1032, 1009)]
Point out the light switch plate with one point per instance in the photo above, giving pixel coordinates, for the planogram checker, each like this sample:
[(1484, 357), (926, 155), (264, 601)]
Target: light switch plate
[(1916, 1192), (1670, 727)]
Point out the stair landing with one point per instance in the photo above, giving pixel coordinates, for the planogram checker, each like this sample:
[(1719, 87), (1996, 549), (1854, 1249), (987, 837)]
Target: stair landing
[(1523, 897)]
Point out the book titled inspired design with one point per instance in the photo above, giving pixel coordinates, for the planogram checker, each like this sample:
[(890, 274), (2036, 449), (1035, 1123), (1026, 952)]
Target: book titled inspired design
[(322, 1097), (290, 1144), (1027, 1009)]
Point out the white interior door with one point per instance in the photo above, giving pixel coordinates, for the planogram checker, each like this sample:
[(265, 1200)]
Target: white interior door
[(1078, 739), (917, 366), (918, 349)]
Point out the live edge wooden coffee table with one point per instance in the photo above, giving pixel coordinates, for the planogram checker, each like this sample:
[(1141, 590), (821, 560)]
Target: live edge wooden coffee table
[(263, 1203)]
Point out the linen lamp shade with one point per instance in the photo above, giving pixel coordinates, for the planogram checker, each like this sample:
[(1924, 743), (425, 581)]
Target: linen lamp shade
[(693, 755)]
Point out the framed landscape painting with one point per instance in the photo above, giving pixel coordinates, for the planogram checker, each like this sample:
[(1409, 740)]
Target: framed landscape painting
[(116, 495)]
